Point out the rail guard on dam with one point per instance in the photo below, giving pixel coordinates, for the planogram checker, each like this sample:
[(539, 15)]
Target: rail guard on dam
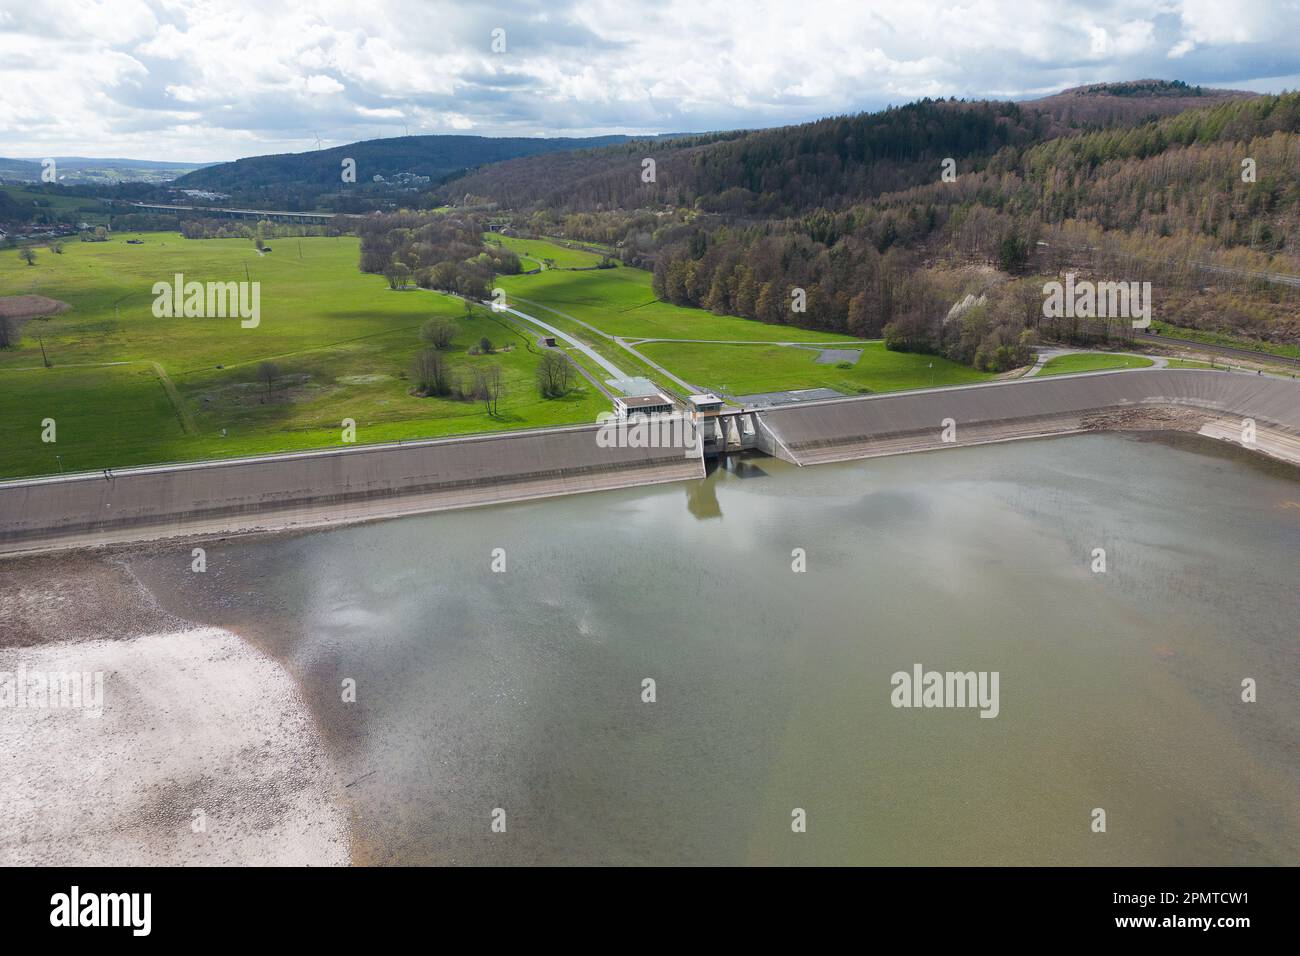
[(352, 483), (372, 481), (1187, 399)]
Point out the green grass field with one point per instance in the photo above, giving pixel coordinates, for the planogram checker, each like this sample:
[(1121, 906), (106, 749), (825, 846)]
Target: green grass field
[(746, 369), (561, 256), (621, 302), (1092, 362), (344, 343)]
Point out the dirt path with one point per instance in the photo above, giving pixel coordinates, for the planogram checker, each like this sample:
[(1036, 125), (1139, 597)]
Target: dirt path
[(188, 424)]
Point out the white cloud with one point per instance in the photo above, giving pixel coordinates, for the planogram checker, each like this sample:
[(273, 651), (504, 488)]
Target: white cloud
[(215, 79)]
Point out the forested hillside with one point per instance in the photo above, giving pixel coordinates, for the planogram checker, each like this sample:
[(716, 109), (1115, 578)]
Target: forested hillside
[(828, 163), (853, 219)]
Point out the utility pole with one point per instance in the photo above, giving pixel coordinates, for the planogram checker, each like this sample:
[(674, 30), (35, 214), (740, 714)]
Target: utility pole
[(44, 357)]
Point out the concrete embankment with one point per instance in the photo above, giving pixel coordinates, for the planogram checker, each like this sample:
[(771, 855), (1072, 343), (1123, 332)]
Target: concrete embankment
[(1208, 402), (369, 482), (324, 487)]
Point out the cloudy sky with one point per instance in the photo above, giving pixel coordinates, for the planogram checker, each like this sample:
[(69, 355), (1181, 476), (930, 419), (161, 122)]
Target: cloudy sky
[(206, 80)]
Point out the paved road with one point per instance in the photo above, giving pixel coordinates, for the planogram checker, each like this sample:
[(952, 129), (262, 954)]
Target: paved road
[(581, 346), (689, 388), (816, 346)]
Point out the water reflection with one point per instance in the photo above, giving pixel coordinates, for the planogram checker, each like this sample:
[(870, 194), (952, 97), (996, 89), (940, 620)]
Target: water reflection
[(522, 689), (702, 495)]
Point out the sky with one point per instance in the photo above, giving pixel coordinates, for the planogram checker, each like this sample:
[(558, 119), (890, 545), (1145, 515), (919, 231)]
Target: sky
[(211, 80)]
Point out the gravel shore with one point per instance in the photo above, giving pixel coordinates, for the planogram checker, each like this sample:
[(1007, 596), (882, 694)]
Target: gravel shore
[(203, 751)]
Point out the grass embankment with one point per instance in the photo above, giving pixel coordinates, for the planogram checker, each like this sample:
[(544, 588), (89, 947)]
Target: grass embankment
[(343, 342), (1092, 362), (746, 369)]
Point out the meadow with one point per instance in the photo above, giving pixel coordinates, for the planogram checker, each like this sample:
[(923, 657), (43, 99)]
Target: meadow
[(127, 388), (747, 369), (1092, 362), (621, 302)]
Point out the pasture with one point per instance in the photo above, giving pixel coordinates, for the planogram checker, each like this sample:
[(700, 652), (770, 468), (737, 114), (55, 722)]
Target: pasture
[(343, 343), (747, 369)]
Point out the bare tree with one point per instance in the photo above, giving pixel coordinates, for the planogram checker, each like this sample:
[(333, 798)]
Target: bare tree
[(489, 384), (554, 375), (493, 385), (439, 333), (432, 375), (268, 372)]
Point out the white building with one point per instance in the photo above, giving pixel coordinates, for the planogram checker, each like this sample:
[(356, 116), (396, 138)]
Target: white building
[(643, 406)]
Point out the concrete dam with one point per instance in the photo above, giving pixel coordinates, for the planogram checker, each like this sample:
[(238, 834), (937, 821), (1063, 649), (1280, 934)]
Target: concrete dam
[(1208, 402), (353, 483), (366, 482)]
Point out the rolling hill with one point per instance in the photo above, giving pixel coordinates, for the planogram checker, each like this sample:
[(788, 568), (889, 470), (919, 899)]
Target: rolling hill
[(305, 177), (84, 171)]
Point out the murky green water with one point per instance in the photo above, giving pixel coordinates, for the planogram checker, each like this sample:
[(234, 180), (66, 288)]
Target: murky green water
[(522, 690)]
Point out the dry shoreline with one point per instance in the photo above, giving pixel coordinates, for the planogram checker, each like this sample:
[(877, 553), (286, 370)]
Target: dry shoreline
[(205, 752)]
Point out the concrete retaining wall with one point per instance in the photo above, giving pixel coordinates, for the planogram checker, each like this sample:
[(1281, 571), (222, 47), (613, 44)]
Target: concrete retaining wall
[(352, 483), (888, 424)]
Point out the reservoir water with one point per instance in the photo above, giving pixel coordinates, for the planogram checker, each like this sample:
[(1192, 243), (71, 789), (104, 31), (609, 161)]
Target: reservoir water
[(522, 690)]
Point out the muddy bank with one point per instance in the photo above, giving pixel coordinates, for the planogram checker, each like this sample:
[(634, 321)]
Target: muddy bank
[(196, 749)]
